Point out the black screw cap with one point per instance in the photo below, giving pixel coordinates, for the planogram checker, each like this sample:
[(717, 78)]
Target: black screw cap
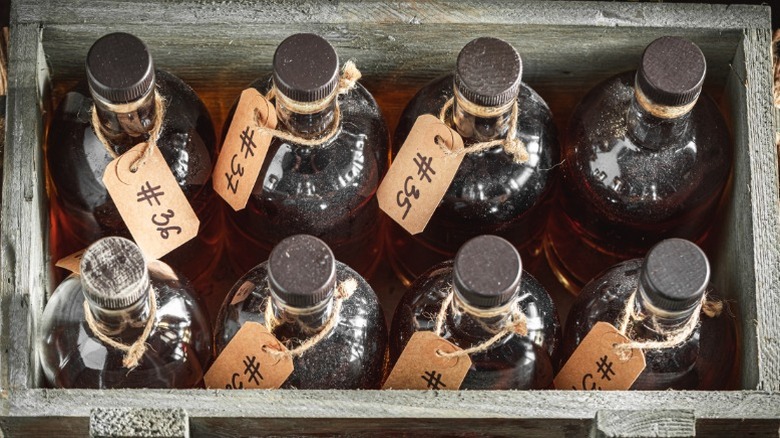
[(487, 272), (306, 68), (488, 72), (114, 273), (671, 71), (675, 275), (120, 68), (302, 271)]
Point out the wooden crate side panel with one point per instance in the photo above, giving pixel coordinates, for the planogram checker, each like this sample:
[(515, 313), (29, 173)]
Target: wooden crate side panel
[(749, 254), (237, 12), (23, 259)]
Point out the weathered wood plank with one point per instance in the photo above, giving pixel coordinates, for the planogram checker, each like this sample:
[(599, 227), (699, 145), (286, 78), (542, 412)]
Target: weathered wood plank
[(236, 12), (23, 260), (749, 254), (139, 423), (644, 423)]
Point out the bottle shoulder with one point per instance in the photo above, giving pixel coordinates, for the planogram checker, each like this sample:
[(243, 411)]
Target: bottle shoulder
[(605, 164)]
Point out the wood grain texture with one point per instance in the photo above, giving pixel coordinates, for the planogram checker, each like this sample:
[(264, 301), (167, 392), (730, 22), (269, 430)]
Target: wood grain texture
[(23, 259), (137, 423), (660, 423), (747, 268), (418, 13), (259, 412)]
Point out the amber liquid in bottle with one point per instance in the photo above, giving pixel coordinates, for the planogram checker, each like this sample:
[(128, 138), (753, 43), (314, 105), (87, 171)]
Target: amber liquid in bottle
[(178, 346), (299, 281), (326, 190), (515, 362), (82, 210), (707, 360), (490, 193), (631, 178)]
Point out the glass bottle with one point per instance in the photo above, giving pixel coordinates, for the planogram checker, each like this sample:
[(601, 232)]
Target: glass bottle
[(327, 190), (668, 286), (490, 193), (299, 281), (117, 287), (646, 158), (121, 84), (485, 278)]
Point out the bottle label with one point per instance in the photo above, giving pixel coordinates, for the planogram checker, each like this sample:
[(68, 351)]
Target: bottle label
[(253, 359), (421, 173), (72, 262), (597, 365), (151, 203), (244, 150), (422, 365)]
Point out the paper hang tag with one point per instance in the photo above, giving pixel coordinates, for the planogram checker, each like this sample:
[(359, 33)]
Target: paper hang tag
[(421, 367), (242, 293), (420, 174), (247, 363), (72, 262), (244, 150), (595, 365), (151, 203)]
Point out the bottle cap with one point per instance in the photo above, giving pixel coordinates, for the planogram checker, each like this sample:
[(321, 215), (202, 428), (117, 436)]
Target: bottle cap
[(488, 72), (306, 68), (671, 71), (120, 68), (114, 273), (302, 271), (675, 275), (487, 272)]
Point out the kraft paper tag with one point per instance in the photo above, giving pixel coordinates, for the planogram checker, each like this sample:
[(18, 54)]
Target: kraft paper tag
[(162, 270), (244, 149), (72, 262), (247, 361), (420, 174), (421, 367), (595, 365), (151, 203), (242, 293)]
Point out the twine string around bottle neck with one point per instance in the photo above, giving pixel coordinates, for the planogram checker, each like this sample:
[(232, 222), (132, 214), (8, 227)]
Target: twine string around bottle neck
[(350, 75), (511, 144), (135, 351), (151, 142), (517, 323), (343, 291), (672, 338)]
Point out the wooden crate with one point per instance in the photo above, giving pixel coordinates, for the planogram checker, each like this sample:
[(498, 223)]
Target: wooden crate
[(219, 46)]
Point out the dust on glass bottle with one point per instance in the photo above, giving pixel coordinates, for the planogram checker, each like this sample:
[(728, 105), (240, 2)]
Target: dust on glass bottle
[(487, 283), (646, 158), (490, 193), (123, 87), (123, 299), (327, 190), (666, 289), (300, 281)]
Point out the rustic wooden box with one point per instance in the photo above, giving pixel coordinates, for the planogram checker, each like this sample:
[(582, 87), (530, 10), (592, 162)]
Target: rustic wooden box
[(219, 47)]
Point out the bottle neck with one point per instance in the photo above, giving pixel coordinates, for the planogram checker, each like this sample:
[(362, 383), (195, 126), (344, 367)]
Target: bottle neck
[(653, 126), (125, 324), (124, 125), (658, 322), (474, 324), (480, 123), (300, 323), (306, 119)]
